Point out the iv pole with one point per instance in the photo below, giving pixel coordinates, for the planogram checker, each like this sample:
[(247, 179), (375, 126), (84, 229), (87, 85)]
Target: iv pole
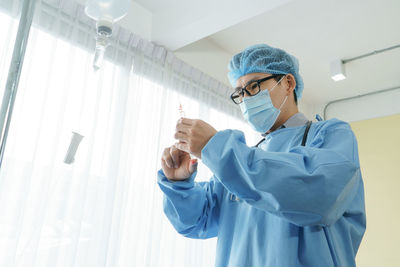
[(14, 72)]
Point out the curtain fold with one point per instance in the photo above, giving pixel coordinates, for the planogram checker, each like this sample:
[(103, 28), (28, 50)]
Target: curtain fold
[(105, 209)]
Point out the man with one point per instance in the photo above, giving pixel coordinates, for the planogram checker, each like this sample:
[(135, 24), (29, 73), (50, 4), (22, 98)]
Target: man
[(296, 199)]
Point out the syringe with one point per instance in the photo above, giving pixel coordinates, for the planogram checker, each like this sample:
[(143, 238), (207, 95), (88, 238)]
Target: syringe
[(182, 115)]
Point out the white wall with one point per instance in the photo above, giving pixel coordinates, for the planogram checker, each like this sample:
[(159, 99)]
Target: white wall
[(139, 20), (207, 57), (363, 108)]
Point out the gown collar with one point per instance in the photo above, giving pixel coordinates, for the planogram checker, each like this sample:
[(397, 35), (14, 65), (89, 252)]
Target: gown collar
[(295, 120)]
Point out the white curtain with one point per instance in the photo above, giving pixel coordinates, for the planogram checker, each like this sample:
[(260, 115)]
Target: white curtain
[(105, 209)]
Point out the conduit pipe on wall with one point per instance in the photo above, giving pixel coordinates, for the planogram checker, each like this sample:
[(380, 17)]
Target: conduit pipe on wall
[(359, 96)]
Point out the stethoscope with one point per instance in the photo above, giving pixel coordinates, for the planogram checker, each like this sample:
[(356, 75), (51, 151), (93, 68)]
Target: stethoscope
[(232, 197)]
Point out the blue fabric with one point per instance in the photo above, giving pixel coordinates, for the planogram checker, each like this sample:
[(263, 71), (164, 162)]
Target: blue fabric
[(266, 59), (298, 206)]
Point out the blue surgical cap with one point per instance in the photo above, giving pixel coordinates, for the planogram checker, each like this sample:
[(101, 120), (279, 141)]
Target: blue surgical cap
[(266, 59)]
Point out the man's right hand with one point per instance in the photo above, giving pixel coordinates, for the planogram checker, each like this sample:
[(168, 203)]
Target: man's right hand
[(177, 164)]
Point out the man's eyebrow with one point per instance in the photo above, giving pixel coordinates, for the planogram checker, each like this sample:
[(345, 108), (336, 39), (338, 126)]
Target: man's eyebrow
[(249, 82)]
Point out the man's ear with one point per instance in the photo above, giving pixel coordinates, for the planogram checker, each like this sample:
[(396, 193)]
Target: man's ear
[(291, 82)]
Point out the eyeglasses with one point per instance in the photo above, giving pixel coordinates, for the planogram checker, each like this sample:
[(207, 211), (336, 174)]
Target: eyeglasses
[(251, 88)]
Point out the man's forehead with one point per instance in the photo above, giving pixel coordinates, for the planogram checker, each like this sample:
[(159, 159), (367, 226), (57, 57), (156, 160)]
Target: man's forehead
[(243, 80)]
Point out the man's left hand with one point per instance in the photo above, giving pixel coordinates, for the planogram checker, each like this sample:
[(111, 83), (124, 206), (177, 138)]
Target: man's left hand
[(193, 135)]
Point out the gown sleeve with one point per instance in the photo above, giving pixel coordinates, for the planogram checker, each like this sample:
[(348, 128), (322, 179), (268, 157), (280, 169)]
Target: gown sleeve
[(192, 207), (308, 185)]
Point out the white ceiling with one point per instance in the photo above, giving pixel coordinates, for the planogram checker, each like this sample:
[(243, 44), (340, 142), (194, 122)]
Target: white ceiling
[(159, 5), (315, 31), (177, 23)]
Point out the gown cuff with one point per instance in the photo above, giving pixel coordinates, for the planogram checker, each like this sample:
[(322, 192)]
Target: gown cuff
[(184, 184)]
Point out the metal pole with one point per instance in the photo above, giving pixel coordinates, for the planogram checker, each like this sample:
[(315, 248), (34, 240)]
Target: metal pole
[(14, 72)]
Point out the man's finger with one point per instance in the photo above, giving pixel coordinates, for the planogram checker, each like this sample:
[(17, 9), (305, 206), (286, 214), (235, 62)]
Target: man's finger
[(174, 152), (186, 121), (183, 128), (167, 158), (164, 164), (182, 146), (181, 137)]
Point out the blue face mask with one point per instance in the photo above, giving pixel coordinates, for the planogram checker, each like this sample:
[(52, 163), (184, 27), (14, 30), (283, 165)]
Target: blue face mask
[(259, 111)]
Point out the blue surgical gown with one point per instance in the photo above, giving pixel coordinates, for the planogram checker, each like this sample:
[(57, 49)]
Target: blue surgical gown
[(281, 204)]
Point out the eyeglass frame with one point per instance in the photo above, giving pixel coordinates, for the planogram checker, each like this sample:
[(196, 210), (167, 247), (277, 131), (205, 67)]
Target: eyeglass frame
[(259, 81)]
